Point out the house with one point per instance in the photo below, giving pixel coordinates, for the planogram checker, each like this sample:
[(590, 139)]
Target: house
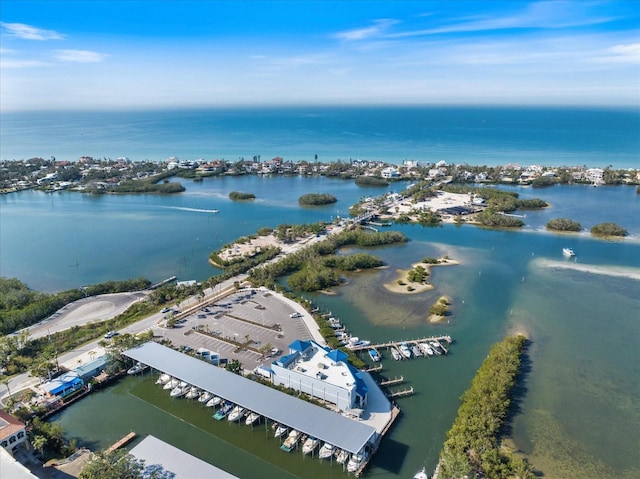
[(390, 172), (12, 432), (322, 373), (93, 368), (63, 385)]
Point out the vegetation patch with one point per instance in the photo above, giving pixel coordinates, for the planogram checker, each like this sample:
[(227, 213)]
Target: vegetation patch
[(493, 219), (371, 181), (315, 199), (563, 224), (239, 196), (608, 229), (472, 448)]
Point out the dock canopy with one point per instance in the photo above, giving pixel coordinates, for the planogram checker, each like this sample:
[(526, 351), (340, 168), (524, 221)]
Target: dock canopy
[(308, 418)]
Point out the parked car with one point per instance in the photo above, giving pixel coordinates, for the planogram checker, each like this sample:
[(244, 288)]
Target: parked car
[(295, 315), (111, 334)]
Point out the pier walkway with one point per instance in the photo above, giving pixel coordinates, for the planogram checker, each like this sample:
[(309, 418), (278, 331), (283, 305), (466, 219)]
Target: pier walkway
[(395, 344)]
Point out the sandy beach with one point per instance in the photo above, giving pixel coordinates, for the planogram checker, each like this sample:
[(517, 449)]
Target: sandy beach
[(412, 287)]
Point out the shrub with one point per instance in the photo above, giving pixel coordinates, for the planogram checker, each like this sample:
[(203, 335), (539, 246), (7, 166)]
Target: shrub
[(314, 199), (563, 224), (608, 229)]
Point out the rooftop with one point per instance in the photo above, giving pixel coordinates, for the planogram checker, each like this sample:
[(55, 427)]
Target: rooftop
[(9, 425), (316, 421)]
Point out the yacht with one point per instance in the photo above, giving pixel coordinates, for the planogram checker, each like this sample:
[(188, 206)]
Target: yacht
[(280, 430), (172, 383), (436, 347), (291, 441), (568, 252), (417, 352), (421, 474), (192, 393), (137, 368), (205, 397), (374, 354), (214, 401), (236, 414), (180, 390), (426, 349), (356, 461), (309, 445), (404, 350), (252, 418), (396, 354), (163, 379), (326, 451), (341, 456)]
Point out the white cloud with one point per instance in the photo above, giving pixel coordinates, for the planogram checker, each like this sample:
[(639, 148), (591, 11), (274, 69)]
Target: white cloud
[(28, 32), (377, 29), (79, 56), (13, 63), (622, 53)]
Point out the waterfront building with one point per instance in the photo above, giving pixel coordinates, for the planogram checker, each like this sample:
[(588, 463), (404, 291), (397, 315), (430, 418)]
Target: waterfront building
[(93, 368), (63, 385), (322, 373), (12, 432), (12, 468)]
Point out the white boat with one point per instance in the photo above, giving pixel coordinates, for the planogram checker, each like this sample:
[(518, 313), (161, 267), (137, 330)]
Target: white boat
[(309, 445), (252, 418), (192, 393), (568, 252), (137, 368), (291, 441), (180, 390), (436, 347), (214, 401), (421, 474), (374, 354), (205, 397), (404, 350), (171, 384), (236, 413), (341, 456), (280, 430), (163, 379), (427, 349), (355, 342), (326, 451), (356, 461), (415, 349), (396, 354)]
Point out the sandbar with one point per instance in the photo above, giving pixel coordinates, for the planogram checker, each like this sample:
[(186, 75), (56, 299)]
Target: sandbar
[(412, 287)]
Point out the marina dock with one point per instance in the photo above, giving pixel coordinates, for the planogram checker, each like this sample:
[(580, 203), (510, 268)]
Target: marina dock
[(122, 442), (396, 344)]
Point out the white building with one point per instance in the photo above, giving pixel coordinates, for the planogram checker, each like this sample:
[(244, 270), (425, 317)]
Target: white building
[(322, 373), (12, 432)]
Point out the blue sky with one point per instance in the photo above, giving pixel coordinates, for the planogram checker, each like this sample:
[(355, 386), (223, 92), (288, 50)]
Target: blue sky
[(144, 54)]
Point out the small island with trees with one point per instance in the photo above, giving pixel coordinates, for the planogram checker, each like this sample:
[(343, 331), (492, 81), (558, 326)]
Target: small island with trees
[(563, 224), (608, 229), (316, 199), (240, 196), (416, 279)]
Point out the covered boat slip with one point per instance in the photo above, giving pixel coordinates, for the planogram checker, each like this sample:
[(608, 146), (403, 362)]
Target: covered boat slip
[(310, 419)]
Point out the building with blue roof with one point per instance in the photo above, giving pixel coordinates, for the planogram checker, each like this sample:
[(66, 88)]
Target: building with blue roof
[(322, 373)]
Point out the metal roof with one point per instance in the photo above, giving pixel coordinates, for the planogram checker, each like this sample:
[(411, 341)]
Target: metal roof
[(177, 463), (308, 418)]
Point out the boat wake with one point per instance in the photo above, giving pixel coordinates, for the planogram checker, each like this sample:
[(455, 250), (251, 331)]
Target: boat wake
[(195, 210), (606, 270)]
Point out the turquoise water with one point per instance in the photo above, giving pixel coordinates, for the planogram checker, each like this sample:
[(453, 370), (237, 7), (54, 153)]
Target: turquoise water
[(579, 415), (475, 135)]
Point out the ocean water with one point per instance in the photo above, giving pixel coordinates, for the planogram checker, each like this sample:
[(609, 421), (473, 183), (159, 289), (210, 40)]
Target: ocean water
[(476, 135)]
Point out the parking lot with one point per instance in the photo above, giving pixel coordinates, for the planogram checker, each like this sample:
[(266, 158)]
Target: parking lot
[(258, 318)]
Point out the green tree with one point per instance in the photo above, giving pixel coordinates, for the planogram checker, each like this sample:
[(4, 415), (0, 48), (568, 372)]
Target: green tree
[(112, 465), (38, 442), (234, 366)]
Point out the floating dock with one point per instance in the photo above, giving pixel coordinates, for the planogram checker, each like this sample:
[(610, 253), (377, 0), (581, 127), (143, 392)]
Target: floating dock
[(122, 442), (396, 344)]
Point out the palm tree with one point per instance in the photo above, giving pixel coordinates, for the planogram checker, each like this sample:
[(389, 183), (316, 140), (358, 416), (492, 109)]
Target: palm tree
[(38, 443)]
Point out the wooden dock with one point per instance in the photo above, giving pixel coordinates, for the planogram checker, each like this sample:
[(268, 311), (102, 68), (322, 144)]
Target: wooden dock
[(395, 412), (396, 344), (373, 369), (389, 382), (122, 442), (400, 394)]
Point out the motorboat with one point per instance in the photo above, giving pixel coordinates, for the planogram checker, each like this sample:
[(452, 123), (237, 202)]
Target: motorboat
[(252, 418), (374, 354), (291, 441), (172, 383), (309, 445), (356, 342), (326, 451), (426, 349), (236, 414), (180, 390), (205, 397), (396, 354), (404, 350), (192, 393), (421, 474), (417, 352), (341, 456), (356, 461), (223, 411), (214, 401), (280, 430), (568, 252), (163, 379), (435, 345), (137, 368)]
